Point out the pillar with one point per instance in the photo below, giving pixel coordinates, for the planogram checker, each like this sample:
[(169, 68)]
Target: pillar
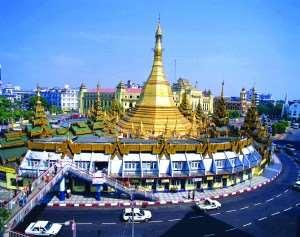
[(62, 190), (98, 192)]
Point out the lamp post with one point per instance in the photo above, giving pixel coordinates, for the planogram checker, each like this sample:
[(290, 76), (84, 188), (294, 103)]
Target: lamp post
[(132, 215)]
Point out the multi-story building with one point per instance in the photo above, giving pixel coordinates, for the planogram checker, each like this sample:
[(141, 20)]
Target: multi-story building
[(52, 96), (87, 98), (294, 109), (194, 95), (128, 95), (16, 94), (240, 103), (69, 99)]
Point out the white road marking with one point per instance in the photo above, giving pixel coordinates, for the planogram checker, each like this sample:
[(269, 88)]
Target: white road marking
[(207, 235), (231, 229), (231, 210), (275, 213), (155, 221), (84, 223), (214, 214), (263, 218), (298, 204), (288, 209), (250, 223), (269, 200), (278, 195), (108, 223), (256, 204), (243, 208), (286, 190), (174, 220), (195, 217)]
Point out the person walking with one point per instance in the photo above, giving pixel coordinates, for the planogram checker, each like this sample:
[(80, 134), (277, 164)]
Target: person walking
[(194, 194), (189, 194), (55, 169)]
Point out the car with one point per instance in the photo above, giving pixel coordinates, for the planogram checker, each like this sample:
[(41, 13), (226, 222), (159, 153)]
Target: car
[(43, 228), (296, 185), (208, 204), (139, 215)]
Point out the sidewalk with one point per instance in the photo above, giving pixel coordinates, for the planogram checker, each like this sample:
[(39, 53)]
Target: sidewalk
[(270, 173)]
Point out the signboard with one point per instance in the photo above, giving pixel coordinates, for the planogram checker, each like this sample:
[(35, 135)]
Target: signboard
[(149, 180), (210, 178), (165, 181), (197, 179)]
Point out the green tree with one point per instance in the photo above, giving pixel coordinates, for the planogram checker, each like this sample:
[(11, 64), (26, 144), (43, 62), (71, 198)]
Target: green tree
[(234, 114), (4, 215), (185, 106)]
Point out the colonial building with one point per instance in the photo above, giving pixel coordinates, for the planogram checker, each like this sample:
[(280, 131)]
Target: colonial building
[(87, 98), (194, 95), (128, 95)]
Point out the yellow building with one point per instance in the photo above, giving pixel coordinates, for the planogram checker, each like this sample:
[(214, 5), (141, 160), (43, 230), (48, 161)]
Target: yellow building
[(194, 96)]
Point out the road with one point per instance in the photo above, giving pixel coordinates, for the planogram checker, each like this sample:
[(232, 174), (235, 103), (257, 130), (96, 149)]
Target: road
[(273, 210)]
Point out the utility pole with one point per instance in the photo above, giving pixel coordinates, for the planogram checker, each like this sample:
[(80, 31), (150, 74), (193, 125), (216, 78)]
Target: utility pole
[(175, 70)]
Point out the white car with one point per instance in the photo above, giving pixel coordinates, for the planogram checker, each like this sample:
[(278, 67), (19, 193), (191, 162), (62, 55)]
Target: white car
[(208, 204), (43, 228), (296, 185), (138, 214)]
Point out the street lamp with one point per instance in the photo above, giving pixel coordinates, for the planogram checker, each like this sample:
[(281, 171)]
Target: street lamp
[(73, 226), (132, 214)]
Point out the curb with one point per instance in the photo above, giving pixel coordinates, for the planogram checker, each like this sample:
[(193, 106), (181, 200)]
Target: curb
[(159, 203)]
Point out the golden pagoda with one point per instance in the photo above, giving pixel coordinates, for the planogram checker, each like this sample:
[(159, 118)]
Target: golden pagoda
[(97, 117), (156, 106), (40, 124)]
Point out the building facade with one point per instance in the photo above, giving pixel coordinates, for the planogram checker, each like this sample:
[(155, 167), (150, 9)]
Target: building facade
[(87, 98), (128, 94), (194, 95), (294, 110)]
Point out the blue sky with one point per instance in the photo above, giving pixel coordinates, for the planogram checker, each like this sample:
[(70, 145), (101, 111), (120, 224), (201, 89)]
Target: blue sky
[(244, 43)]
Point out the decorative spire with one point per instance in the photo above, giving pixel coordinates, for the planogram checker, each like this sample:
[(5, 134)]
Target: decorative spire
[(222, 91)]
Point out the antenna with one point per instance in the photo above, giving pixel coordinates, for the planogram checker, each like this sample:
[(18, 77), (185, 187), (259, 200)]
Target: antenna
[(175, 70)]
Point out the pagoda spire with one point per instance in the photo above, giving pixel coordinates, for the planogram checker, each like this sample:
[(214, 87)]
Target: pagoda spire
[(222, 91)]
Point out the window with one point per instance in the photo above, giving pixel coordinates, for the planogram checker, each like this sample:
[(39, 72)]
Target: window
[(177, 165), (219, 163)]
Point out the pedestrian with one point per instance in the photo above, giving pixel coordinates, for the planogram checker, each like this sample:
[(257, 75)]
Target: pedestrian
[(55, 169), (189, 194), (30, 187), (194, 194), (68, 193)]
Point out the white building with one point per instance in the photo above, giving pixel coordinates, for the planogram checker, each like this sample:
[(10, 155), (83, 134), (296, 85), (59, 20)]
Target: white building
[(294, 110), (69, 99)]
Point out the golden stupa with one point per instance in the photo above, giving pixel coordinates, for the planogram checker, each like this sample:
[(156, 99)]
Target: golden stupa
[(156, 110)]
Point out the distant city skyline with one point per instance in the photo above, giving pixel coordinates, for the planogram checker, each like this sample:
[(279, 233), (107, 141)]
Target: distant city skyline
[(244, 43)]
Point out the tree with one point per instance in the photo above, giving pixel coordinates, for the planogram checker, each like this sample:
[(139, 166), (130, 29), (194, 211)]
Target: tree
[(185, 107), (199, 112), (234, 114), (4, 215)]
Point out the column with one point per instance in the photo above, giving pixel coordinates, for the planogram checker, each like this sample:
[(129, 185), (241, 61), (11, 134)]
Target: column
[(98, 192), (62, 190)]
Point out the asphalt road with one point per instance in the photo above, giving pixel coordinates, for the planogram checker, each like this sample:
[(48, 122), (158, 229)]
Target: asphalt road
[(273, 210)]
